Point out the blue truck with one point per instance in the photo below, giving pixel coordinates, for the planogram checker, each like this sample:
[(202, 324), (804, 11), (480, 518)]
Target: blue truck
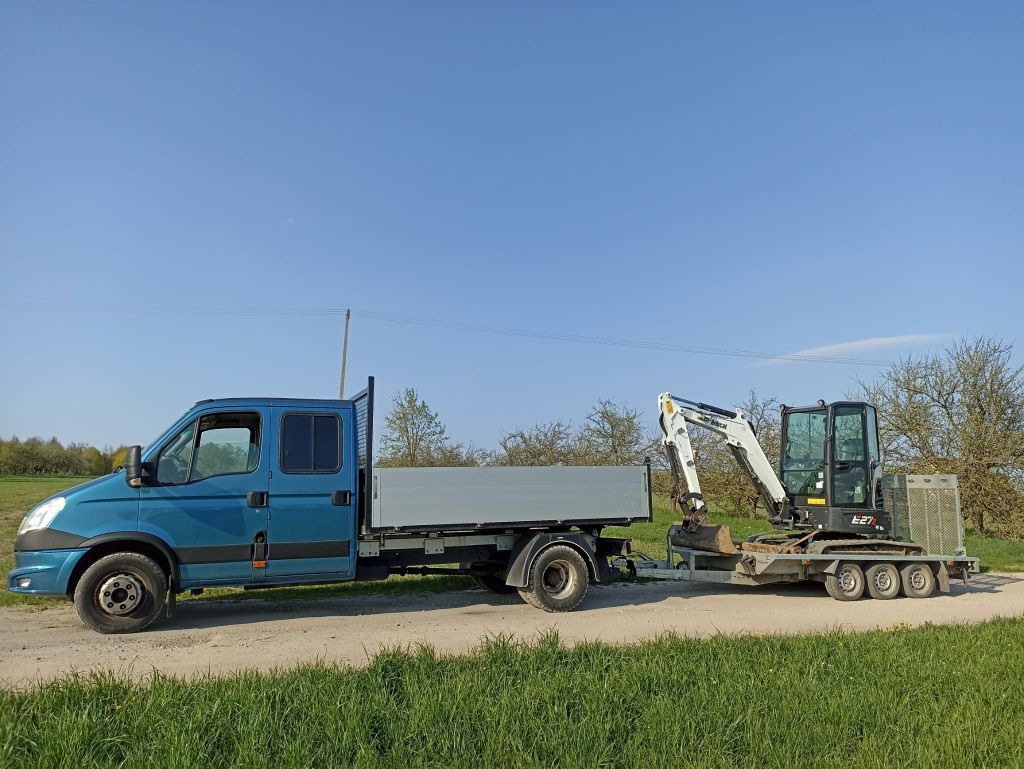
[(263, 492)]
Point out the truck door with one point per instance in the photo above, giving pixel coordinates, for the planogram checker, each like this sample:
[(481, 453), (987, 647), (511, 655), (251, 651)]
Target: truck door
[(208, 496), (312, 495)]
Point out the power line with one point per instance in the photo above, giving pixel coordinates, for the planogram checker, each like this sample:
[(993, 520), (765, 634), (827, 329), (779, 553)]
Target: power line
[(476, 327)]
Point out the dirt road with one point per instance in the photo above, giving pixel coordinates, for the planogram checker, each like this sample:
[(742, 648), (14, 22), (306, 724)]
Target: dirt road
[(223, 636)]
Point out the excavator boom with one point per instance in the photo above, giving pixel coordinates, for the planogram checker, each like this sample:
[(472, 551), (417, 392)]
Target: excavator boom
[(675, 414)]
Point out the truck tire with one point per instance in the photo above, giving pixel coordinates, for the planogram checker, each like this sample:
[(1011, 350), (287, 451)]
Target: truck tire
[(495, 585), (883, 581), (121, 593), (917, 580), (558, 580), (847, 584)]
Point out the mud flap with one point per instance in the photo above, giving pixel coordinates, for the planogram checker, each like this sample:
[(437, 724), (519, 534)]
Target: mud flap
[(171, 600), (943, 578)]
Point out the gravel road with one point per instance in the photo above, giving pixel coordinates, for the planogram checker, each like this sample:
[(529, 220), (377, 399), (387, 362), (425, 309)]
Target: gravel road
[(218, 637)]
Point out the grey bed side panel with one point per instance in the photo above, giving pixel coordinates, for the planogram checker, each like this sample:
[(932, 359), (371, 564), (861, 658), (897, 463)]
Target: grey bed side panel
[(475, 497)]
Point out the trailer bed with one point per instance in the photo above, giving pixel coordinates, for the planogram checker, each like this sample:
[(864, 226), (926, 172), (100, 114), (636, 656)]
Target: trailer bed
[(451, 499)]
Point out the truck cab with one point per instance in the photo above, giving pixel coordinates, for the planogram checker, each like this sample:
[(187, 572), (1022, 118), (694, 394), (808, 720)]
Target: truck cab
[(237, 492)]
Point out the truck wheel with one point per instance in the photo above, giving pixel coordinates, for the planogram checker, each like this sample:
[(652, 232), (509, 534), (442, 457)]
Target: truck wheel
[(917, 580), (847, 584), (883, 581), (495, 585), (558, 580), (121, 593)]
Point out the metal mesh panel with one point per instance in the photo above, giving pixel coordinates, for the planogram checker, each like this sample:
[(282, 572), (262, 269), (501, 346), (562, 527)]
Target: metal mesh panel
[(926, 510), (362, 409)]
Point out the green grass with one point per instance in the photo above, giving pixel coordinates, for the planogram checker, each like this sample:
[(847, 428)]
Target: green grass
[(18, 494), (997, 554), (936, 696)]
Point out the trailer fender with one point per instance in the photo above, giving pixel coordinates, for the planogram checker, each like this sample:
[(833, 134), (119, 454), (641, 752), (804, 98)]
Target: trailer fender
[(529, 547), (831, 568)]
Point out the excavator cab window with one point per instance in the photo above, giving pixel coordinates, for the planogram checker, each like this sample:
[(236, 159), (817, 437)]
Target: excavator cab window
[(803, 458), (850, 462)]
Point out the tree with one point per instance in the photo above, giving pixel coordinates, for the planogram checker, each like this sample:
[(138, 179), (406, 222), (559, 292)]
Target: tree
[(959, 412), (414, 436), (722, 480), (613, 434), (553, 443)]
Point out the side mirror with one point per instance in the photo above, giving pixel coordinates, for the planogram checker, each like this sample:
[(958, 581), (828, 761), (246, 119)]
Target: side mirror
[(133, 466)]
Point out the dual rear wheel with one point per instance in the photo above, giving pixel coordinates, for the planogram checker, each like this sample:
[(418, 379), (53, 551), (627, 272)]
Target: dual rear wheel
[(882, 581)]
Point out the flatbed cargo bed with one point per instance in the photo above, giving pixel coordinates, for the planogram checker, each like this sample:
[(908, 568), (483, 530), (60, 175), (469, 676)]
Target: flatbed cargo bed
[(475, 499)]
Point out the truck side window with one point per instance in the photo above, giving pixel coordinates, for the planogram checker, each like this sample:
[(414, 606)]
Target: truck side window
[(227, 444), (176, 457), (310, 443)]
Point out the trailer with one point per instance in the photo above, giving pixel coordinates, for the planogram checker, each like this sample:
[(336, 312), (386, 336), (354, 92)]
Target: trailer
[(927, 551)]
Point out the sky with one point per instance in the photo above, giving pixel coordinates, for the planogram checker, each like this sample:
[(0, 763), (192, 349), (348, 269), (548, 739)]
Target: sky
[(841, 178)]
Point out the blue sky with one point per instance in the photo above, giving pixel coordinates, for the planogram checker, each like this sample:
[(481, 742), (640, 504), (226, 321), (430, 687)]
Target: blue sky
[(768, 177)]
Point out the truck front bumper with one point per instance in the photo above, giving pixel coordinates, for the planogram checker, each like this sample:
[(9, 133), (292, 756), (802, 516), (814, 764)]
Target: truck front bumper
[(43, 572)]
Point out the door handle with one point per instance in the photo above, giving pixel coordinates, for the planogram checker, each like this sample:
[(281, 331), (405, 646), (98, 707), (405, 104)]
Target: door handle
[(341, 497), (257, 498), (843, 465)]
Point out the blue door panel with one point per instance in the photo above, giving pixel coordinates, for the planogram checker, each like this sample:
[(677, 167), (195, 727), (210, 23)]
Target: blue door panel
[(208, 522), (307, 534)]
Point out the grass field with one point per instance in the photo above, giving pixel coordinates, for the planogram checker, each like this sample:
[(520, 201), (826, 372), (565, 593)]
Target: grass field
[(936, 696), (18, 494)]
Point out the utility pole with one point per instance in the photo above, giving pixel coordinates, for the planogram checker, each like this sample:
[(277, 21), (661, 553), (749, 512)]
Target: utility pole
[(344, 356)]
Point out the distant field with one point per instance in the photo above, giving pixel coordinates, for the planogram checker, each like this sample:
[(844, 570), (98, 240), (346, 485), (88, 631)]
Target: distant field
[(930, 697), (18, 494)]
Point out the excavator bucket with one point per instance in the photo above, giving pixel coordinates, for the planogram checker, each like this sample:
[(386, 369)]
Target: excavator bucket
[(708, 537)]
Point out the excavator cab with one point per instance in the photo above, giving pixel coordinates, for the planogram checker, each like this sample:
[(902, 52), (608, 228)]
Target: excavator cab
[(831, 469)]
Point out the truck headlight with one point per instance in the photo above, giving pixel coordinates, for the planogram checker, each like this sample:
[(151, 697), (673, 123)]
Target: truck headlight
[(39, 517)]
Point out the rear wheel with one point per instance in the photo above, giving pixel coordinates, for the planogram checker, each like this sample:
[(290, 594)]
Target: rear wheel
[(558, 580), (495, 585), (883, 581), (121, 593), (847, 584), (917, 580)]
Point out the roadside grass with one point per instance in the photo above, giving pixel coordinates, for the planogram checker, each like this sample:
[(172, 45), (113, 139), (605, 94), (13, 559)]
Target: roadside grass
[(934, 696), (19, 493)]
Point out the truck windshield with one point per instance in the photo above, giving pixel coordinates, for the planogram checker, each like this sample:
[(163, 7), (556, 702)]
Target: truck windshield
[(803, 463)]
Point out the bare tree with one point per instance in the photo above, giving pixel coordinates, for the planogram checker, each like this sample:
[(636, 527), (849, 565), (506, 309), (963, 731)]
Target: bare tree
[(613, 434), (959, 412), (552, 443), (723, 483)]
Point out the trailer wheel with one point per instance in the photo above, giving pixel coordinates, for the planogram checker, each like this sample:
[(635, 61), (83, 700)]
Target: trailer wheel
[(847, 584), (883, 581), (558, 580), (917, 580), (495, 585), (121, 593)]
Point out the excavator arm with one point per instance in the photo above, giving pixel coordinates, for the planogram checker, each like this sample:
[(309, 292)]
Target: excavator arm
[(675, 414)]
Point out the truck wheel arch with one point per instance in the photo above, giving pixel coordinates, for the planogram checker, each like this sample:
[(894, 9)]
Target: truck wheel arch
[(121, 541), (529, 547)]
